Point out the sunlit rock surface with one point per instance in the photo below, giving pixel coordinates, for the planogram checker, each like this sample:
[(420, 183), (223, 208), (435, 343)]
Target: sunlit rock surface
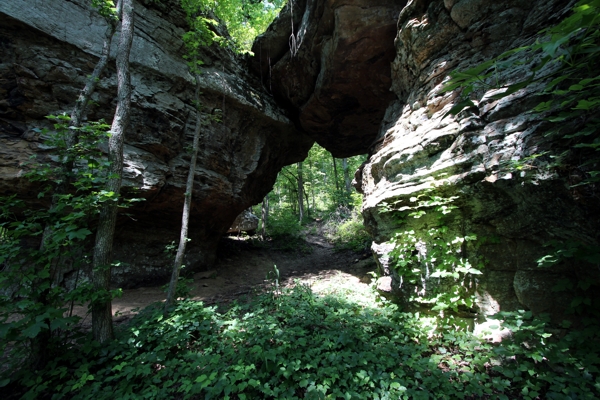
[(513, 214), (334, 72), (47, 48)]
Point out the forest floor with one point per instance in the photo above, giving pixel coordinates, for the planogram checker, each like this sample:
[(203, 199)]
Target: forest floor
[(245, 265)]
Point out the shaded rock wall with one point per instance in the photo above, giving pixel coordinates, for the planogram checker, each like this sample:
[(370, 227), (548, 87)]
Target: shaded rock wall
[(47, 48), (333, 73), (465, 156)]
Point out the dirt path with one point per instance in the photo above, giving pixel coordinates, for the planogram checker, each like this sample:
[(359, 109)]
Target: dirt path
[(243, 267)]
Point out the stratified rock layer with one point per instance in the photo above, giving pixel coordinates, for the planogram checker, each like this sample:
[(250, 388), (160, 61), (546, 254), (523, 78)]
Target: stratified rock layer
[(513, 214), (329, 61), (46, 51)]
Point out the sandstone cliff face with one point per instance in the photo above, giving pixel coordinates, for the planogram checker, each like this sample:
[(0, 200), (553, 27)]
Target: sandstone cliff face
[(47, 48), (358, 77), (465, 156), (328, 61)]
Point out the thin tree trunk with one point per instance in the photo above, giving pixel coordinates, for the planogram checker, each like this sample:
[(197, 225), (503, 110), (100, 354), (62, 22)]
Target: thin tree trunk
[(300, 192), (40, 343), (307, 202), (102, 310), (76, 117), (279, 197), (293, 202), (265, 216), (311, 189), (187, 203), (346, 175), (92, 82), (312, 192), (335, 175)]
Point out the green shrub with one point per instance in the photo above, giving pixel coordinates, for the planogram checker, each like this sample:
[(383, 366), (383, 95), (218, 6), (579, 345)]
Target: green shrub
[(349, 233), (294, 344), (284, 223), (39, 247)]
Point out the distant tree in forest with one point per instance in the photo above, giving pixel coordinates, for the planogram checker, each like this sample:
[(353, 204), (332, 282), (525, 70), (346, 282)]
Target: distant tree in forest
[(315, 183)]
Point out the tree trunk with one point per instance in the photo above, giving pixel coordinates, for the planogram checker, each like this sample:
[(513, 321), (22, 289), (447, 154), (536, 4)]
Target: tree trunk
[(76, 117), (102, 310), (293, 201), (40, 342), (279, 196), (335, 176), (187, 203), (92, 82), (346, 175), (307, 202), (312, 192), (265, 216), (300, 192)]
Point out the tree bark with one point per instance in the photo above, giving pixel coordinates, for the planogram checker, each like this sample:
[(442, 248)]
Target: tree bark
[(102, 328), (265, 216), (346, 175), (300, 192), (187, 203), (335, 176), (40, 343), (92, 82), (306, 198), (76, 117)]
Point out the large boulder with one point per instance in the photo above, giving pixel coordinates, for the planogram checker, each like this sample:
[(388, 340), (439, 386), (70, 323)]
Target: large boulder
[(47, 49), (329, 62)]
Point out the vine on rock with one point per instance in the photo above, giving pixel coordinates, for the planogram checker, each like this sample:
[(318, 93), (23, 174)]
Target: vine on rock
[(433, 266)]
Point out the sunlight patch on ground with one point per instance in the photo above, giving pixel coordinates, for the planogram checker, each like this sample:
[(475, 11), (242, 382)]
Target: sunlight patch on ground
[(340, 284)]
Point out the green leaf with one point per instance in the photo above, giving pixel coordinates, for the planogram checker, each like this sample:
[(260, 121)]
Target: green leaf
[(79, 234), (34, 329), (459, 107), (512, 89)]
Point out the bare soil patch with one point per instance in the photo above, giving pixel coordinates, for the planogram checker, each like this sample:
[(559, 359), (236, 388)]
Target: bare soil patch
[(243, 266)]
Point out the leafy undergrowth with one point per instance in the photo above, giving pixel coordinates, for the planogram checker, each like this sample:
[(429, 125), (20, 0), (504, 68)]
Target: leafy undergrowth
[(300, 344), (345, 229)]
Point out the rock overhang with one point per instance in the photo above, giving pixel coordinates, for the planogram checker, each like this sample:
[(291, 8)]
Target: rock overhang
[(47, 50), (334, 73)]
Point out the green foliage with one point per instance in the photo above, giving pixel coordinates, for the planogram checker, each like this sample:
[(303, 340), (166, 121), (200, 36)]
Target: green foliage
[(106, 8), (283, 224), (346, 230), (36, 303), (433, 264), (569, 250), (246, 19), (202, 31), (540, 361), (324, 193), (567, 57), (183, 290), (581, 289), (36, 306), (340, 344), (285, 233)]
